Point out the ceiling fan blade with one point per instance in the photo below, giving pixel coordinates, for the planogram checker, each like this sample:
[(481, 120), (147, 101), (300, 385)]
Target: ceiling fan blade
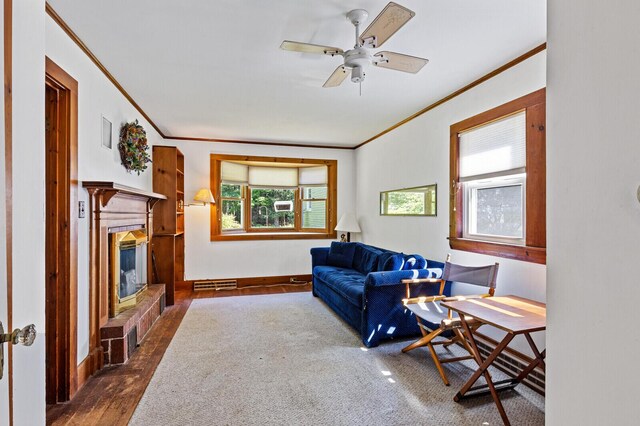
[(398, 61), (390, 20), (337, 77), (295, 46)]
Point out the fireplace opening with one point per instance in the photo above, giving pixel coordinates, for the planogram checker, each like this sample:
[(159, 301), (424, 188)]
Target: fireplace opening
[(128, 269)]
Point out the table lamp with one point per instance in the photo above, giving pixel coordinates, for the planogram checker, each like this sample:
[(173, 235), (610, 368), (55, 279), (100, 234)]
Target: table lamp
[(348, 224)]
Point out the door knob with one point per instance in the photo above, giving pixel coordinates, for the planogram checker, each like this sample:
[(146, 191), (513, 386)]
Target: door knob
[(24, 336)]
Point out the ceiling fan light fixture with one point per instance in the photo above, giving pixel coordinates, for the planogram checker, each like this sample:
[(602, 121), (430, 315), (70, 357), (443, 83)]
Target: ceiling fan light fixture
[(357, 60), (357, 74)]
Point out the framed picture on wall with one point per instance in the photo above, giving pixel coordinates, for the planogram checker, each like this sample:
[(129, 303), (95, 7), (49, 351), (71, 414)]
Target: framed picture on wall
[(107, 135)]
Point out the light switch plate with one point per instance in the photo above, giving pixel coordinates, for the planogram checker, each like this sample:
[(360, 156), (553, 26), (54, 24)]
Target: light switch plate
[(81, 212)]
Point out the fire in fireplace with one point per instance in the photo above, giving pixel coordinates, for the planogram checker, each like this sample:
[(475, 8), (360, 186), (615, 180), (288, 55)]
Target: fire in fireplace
[(128, 269)]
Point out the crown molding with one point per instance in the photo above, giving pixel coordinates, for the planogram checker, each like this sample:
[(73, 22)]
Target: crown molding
[(250, 142), (52, 13), (58, 20), (459, 92)]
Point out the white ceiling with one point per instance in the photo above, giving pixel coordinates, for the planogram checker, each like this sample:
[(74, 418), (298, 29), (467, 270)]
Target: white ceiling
[(213, 69)]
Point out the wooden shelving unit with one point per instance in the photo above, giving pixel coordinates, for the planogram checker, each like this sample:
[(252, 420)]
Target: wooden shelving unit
[(168, 218)]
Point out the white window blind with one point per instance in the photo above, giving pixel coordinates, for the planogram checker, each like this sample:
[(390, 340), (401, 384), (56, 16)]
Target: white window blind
[(279, 177), (309, 176), (234, 172), (493, 150)]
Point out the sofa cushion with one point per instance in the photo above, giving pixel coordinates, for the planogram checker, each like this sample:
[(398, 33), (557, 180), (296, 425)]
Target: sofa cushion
[(365, 258), (390, 261), (344, 281), (414, 261), (341, 254)]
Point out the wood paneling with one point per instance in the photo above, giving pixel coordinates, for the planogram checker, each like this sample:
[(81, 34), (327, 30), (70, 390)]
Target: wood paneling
[(272, 234), (534, 250), (111, 396), (61, 237)]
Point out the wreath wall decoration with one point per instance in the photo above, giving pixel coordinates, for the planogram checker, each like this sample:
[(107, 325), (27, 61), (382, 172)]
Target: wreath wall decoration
[(133, 147)]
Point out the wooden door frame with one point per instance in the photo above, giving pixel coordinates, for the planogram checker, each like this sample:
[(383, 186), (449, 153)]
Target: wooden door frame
[(8, 181), (62, 300)]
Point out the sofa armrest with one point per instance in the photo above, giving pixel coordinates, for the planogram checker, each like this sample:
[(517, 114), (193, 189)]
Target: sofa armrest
[(319, 256), (384, 315)]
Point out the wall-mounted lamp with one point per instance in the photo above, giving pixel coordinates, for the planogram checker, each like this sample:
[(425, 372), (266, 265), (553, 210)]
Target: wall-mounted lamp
[(203, 197), (348, 223)]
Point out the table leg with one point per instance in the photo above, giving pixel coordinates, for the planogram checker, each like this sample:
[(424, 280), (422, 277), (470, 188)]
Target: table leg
[(483, 369), (537, 361)]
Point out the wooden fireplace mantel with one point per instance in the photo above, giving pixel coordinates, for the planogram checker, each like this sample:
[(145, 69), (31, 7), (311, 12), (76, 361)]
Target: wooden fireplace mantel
[(111, 206), (108, 190)]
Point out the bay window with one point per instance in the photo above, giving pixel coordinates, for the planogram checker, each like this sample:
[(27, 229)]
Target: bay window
[(272, 198)]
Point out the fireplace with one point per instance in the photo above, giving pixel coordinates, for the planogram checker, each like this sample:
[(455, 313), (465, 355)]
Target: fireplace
[(128, 269)]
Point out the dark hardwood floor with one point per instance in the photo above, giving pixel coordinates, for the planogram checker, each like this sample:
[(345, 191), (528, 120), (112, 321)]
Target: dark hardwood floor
[(111, 396)]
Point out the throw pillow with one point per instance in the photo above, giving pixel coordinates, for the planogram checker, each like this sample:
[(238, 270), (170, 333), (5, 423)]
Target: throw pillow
[(390, 261), (365, 259), (414, 261), (341, 254)]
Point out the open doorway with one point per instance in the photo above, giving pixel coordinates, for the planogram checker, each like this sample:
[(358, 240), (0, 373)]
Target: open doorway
[(61, 235)]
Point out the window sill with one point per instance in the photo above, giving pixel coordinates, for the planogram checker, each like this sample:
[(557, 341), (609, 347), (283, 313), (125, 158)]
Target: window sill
[(249, 236), (524, 253)]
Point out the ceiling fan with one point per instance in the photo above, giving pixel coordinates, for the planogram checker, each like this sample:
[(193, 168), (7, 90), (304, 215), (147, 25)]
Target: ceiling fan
[(387, 23)]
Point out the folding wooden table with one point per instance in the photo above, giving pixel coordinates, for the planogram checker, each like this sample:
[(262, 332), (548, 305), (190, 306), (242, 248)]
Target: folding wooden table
[(512, 314)]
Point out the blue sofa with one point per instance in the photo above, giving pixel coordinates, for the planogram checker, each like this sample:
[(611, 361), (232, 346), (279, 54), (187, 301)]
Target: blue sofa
[(361, 283)]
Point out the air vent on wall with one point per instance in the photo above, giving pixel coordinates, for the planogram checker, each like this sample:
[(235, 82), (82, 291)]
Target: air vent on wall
[(215, 285)]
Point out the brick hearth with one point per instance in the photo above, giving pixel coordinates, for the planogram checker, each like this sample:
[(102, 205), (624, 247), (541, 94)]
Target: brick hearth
[(122, 334)]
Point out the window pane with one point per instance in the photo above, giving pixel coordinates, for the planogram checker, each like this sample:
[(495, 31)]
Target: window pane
[(499, 211), (231, 190), (231, 214), (406, 203), (272, 208), (314, 192), (412, 201), (314, 214)]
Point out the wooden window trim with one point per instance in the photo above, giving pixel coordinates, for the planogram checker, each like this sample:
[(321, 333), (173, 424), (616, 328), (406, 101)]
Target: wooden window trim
[(273, 233), (534, 249)]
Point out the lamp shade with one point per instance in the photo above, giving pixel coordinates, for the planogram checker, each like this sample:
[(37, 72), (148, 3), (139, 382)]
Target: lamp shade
[(348, 223), (204, 196)]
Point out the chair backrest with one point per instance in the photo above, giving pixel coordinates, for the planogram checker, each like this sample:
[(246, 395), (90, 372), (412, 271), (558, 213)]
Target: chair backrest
[(477, 275)]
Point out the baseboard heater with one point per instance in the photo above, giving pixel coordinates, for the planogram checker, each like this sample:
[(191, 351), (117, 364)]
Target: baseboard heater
[(512, 366), (215, 285)]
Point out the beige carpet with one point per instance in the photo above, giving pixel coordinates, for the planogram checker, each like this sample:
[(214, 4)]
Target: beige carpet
[(288, 360)]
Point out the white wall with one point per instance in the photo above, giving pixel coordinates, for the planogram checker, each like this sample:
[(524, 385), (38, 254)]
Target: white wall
[(593, 214), (97, 97), (205, 259), (417, 153), (236, 259), (28, 208)]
